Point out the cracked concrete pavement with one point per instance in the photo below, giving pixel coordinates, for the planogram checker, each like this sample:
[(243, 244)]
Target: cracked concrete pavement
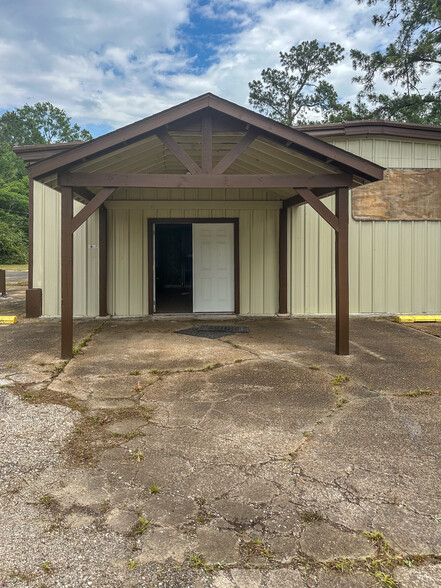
[(260, 459)]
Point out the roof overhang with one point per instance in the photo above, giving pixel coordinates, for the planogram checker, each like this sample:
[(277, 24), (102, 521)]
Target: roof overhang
[(64, 158), (374, 127), (33, 153)]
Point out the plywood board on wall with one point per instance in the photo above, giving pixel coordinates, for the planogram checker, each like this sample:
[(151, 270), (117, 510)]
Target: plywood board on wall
[(403, 194)]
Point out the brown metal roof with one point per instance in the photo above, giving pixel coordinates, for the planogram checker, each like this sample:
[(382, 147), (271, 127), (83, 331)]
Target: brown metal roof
[(374, 127), (137, 131), (34, 153)]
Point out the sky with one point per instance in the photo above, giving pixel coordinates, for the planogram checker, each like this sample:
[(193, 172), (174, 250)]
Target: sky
[(108, 63)]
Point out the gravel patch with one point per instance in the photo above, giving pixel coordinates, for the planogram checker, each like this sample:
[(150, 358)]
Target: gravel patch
[(31, 436), (39, 545)]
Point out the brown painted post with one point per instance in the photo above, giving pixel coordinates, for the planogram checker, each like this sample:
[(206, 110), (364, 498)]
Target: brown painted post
[(103, 260), (66, 273), (342, 273), (31, 235), (283, 262), (3, 282)]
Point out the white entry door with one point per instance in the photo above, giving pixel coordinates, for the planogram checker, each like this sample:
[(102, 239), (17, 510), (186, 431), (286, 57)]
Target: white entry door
[(213, 267)]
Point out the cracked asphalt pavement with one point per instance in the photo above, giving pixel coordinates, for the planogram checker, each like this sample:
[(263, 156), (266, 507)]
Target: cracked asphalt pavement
[(255, 460)]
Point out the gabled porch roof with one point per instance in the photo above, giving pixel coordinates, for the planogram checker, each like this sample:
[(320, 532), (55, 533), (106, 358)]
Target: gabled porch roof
[(140, 138)]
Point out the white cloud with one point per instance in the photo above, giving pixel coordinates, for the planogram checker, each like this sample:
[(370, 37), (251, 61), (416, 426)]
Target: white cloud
[(113, 61)]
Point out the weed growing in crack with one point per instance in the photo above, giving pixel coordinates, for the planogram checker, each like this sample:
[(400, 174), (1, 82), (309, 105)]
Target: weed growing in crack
[(158, 373), (314, 367), (135, 373), (341, 402), (138, 387), (419, 392), (385, 580), (343, 565), (203, 515), (59, 368), (238, 360), (132, 564), (47, 567), (46, 500), (141, 527), (138, 456), (256, 546), (76, 349), (105, 505), (132, 434), (148, 414), (197, 562), (311, 516), (189, 370), (340, 379), (154, 489), (378, 539)]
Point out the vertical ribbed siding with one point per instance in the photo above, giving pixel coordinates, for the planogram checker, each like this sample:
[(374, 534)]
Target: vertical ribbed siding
[(258, 253), (394, 266), (47, 260)]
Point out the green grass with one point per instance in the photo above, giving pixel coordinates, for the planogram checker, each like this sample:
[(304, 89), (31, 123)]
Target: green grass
[(141, 526), (19, 267)]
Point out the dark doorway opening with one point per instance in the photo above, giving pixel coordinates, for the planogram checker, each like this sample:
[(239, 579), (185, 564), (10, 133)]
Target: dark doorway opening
[(174, 268)]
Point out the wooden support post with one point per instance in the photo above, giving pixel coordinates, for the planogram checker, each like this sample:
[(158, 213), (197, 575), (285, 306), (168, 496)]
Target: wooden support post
[(342, 272), (31, 235), (66, 273), (103, 260), (283, 269)]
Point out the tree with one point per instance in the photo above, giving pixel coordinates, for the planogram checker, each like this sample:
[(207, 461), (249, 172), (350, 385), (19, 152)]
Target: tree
[(290, 93), (415, 52), (41, 123)]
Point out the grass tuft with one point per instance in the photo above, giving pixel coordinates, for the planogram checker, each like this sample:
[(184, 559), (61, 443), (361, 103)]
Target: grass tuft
[(311, 516)]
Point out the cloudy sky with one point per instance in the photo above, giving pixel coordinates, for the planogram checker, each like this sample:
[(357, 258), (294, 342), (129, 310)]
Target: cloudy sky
[(110, 62)]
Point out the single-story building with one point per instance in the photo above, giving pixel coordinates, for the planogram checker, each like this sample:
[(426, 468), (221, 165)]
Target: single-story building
[(200, 209)]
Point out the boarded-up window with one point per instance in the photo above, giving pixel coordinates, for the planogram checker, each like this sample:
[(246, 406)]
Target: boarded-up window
[(403, 194)]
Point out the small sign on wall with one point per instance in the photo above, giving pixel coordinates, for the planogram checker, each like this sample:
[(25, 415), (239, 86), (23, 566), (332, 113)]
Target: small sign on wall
[(403, 194)]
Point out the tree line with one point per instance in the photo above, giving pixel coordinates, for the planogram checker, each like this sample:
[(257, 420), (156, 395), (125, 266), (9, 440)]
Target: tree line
[(30, 125)]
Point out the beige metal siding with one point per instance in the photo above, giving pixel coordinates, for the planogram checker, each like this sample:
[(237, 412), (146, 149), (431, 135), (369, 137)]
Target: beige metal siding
[(47, 260), (258, 251), (394, 267)]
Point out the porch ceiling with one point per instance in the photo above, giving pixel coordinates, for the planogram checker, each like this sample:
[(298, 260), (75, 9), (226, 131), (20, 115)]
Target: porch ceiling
[(263, 156)]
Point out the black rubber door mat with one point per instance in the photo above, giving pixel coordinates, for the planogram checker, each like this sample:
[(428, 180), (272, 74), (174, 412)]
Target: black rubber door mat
[(213, 331)]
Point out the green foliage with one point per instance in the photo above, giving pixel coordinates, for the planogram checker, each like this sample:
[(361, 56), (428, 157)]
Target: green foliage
[(41, 123), (13, 207), (415, 52), (298, 89), (11, 167), (13, 238)]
